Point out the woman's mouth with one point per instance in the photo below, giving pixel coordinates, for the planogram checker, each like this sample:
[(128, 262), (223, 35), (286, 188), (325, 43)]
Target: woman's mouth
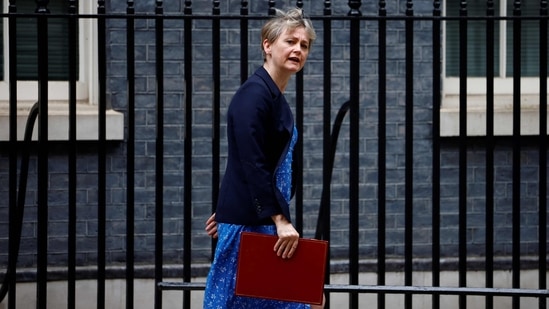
[(294, 59)]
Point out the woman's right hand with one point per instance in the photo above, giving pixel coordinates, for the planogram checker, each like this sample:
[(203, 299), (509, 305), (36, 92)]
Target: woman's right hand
[(288, 237), (211, 226)]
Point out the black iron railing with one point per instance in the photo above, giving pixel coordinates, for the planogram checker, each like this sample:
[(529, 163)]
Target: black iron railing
[(357, 93)]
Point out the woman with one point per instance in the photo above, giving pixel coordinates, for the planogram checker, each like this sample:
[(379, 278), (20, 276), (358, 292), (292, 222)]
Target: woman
[(257, 187)]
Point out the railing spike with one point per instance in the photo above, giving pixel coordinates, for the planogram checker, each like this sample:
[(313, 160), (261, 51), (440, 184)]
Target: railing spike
[(243, 7), (517, 5), (382, 5), (216, 10), (159, 7), (272, 9), (42, 6), (327, 7), (355, 8), (188, 10), (72, 7)]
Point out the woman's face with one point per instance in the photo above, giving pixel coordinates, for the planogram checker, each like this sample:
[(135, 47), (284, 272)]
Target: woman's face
[(289, 52)]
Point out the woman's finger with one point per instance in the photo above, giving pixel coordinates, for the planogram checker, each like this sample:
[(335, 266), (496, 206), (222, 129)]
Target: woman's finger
[(211, 219), (211, 228), (285, 248)]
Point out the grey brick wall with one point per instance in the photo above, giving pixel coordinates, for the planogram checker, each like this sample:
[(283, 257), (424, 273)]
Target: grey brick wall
[(312, 140)]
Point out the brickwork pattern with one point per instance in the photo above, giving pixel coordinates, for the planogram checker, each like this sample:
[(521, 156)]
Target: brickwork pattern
[(174, 99)]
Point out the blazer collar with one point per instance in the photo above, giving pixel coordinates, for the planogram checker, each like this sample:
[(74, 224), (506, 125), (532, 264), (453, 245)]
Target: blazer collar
[(264, 75)]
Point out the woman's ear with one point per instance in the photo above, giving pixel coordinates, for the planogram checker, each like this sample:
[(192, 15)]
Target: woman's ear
[(267, 47)]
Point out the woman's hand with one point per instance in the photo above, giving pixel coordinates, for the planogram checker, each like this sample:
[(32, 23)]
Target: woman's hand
[(211, 226), (288, 237)]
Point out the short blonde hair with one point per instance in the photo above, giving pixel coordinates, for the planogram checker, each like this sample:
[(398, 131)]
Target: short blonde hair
[(283, 21)]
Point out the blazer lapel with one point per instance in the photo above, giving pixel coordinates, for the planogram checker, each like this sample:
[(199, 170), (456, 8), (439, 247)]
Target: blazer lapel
[(279, 101)]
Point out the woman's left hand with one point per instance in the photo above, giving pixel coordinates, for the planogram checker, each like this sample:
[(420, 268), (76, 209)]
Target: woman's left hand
[(211, 226), (288, 237)]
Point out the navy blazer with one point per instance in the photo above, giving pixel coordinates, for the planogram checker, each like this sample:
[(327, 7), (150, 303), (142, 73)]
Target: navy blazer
[(259, 128)]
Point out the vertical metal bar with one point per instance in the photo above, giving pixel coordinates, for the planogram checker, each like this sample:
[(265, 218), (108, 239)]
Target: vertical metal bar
[(13, 228), (243, 41), (382, 151), (102, 153), (409, 153), (462, 238), (42, 226), (542, 224), (187, 182), (130, 156), (271, 11), (517, 36), (73, 44), (490, 144), (159, 154), (437, 90), (326, 133), (130, 191), (354, 139), (216, 139), (299, 147)]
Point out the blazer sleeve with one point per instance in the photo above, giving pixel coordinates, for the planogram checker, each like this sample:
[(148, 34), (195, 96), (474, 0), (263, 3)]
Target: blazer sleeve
[(252, 125)]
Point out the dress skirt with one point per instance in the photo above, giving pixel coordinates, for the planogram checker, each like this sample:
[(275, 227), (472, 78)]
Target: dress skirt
[(221, 282)]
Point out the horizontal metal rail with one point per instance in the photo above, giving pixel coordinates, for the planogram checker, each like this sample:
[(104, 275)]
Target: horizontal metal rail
[(387, 289)]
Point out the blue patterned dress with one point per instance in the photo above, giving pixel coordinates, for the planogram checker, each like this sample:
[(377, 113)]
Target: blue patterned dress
[(221, 281)]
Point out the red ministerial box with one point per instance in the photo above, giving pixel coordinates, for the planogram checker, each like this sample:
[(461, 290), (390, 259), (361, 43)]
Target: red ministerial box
[(261, 273)]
